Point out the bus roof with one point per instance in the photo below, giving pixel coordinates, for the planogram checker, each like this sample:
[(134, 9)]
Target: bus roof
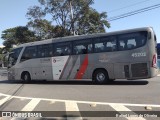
[(77, 37)]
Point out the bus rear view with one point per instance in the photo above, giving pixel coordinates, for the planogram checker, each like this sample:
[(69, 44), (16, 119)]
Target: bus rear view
[(142, 56)]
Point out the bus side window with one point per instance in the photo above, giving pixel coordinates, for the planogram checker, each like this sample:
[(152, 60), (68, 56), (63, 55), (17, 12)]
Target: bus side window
[(131, 43), (90, 48), (61, 49), (44, 50), (82, 47), (47, 48), (99, 46), (130, 46), (105, 44), (132, 40), (121, 45), (40, 50), (29, 53)]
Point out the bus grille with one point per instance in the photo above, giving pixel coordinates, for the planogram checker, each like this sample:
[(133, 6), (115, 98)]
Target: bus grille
[(139, 70), (126, 70)]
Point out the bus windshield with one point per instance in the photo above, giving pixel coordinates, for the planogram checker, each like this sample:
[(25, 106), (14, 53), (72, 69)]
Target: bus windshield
[(13, 57)]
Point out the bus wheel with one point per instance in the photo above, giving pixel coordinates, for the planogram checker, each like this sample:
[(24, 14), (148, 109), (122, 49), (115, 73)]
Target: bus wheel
[(26, 77), (100, 76)]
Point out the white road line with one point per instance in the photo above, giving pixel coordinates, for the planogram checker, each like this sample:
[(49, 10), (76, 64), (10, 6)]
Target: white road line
[(85, 102), (72, 106), (158, 75), (120, 108), (31, 105), (7, 98)]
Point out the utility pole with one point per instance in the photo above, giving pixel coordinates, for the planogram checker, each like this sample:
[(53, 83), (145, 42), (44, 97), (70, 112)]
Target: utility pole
[(71, 13), (72, 22)]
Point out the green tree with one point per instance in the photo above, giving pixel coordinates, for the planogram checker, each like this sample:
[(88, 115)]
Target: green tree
[(42, 28), (92, 22), (16, 36), (1, 56), (1, 49), (3, 59), (60, 12)]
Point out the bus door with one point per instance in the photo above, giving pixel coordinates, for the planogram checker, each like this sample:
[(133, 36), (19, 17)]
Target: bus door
[(46, 69), (61, 62), (45, 59)]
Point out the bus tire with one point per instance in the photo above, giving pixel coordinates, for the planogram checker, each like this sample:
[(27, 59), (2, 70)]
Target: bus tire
[(100, 76), (26, 77)]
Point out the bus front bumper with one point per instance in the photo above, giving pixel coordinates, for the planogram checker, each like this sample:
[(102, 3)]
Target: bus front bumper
[(11, 76)]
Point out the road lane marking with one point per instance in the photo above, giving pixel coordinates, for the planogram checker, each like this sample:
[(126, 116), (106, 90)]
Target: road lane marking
[(121, 108), (72, 107), (31, 105), (85, 102), (7, 98)]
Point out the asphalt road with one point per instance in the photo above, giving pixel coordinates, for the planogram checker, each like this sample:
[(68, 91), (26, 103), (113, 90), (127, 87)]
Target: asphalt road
[(77, 96)]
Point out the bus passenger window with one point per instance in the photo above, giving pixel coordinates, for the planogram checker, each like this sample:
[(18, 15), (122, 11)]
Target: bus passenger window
[(82, 47), (29, 53), (89, 48), (131, 43), (99, 47), (132, 40), (67, 50), (47, 49), (130, 46), (44, 50), (61, 49), (105, 44)]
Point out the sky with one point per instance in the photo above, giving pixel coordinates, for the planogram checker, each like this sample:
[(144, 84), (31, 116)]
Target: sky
[(13, 14)]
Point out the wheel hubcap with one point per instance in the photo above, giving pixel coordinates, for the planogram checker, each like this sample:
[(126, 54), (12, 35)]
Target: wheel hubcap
[(100, 77), (25, 77)]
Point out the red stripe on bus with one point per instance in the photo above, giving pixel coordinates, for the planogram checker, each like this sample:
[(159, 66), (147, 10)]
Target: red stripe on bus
[(82, 69)]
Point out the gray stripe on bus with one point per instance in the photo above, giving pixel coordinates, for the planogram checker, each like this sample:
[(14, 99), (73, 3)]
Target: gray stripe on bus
[(72, 62), (65, 68), (75, 67)]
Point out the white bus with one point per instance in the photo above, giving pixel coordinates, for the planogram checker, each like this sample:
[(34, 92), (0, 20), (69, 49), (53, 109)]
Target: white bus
[(127, 54)]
